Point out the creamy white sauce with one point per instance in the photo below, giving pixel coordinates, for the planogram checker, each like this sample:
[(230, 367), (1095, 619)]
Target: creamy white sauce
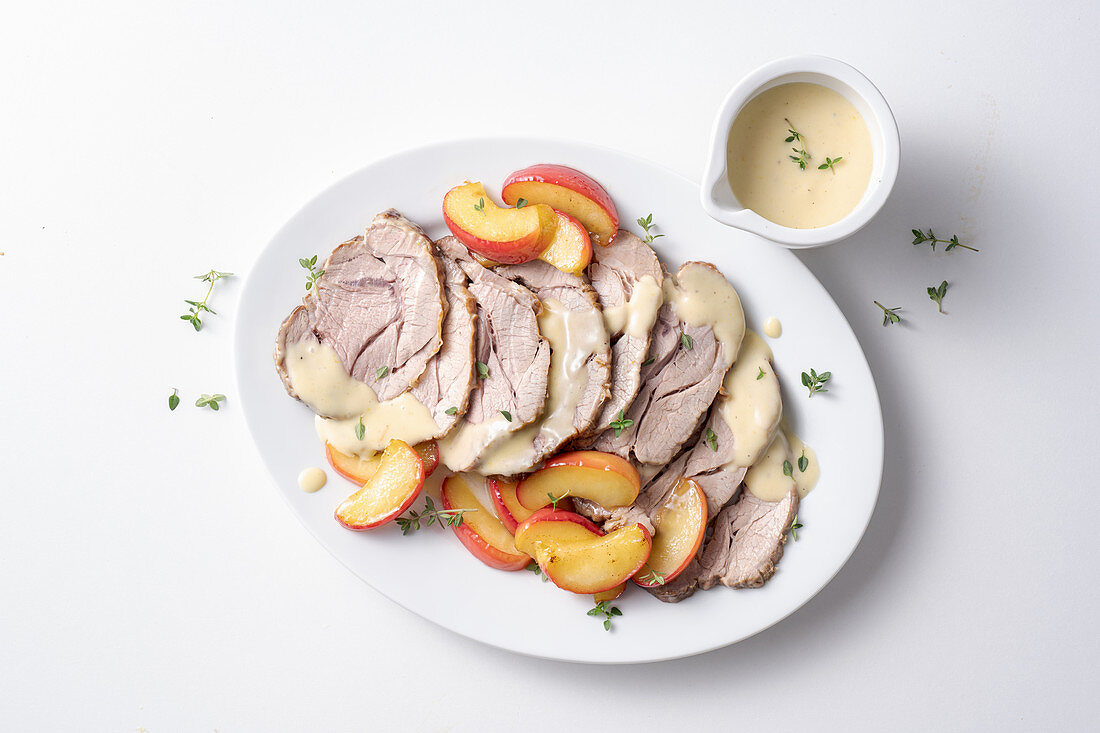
[(466, 439), (764, 178), (766, 479), (311, 479), (702, 296), (574, 336), (751, 404), (318, 377), (773, 329), (636, 316)]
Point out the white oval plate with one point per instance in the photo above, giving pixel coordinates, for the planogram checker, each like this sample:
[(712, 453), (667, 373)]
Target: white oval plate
[(430, 573)]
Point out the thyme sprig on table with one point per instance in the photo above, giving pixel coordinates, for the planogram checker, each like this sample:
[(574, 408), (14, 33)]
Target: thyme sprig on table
[(646, 223), (312, 273), (889, 315), (607, 611), (795, 526), (210, 400), (197, 307), (920, 237), (174, 399), (430, 516), (936, 294), (815, 382), (803, 156)]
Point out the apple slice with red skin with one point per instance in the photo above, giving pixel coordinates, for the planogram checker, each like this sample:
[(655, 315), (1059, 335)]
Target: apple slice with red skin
[(509, 236), (596, 564), (508, 506), (604, 478), (568, 190), (553, 526), (359, 470), (681, 524), (480, 532), (389, 491), (570, 248)]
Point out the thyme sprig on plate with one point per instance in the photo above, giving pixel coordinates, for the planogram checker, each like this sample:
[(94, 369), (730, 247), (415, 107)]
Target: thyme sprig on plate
[(795, 526), (920, 237), (607, 611), (174, 399), (312, 273), (646, 223), (197, 307), (815, 382), (652, 578), (534, 566), (621, 423), (889, 315), (430, 516)]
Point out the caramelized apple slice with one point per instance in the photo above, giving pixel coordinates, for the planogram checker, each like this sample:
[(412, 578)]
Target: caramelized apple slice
[(359, 470), (480, 532), (597, 564), (510, 236), (609, 595), (570, 249), (566, 189), (604, 478), (680, 526), (553, 527), (387, 492)]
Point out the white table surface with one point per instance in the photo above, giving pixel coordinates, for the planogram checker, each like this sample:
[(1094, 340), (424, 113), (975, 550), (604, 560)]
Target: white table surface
[(151, 578)]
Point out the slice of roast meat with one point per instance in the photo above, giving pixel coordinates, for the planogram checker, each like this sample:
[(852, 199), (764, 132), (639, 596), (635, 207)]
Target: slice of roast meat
[(379, 306), (444, 387), (689, 364), (580, 366), (627, 277), (743, 550), (512, 359)]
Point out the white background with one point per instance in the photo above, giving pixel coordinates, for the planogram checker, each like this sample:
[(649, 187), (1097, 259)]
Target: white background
[(151, 578)]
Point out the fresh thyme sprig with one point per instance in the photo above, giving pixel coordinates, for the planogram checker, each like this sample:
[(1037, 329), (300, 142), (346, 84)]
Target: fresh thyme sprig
[(480, 205), (795, 526), (920, 237), (712, 440), (621, 423), (482, 370), (760, 375), (507, 415), (192, 316), (803, 156), (312, 274), (652, 578), (788, 469), (520, 203), (686, 341), (451, 411), (648, 361), (607, 611), (803, 462), (815, 382), (646, 223), (210, 400), (381, 373), (936, 294), (430, 516), (889, 315), (360, 429), (555, 500), (174, 399), (829, 163), (534, 566)]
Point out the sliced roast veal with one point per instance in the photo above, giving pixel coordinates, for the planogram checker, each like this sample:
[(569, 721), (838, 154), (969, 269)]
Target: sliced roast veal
[(689, 364), (580, 366), (379, 306), (627, 278), (744, 549), (513, 362)]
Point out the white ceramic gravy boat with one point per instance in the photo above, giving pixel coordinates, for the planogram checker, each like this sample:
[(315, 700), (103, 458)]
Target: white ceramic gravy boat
[(717, 197)]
